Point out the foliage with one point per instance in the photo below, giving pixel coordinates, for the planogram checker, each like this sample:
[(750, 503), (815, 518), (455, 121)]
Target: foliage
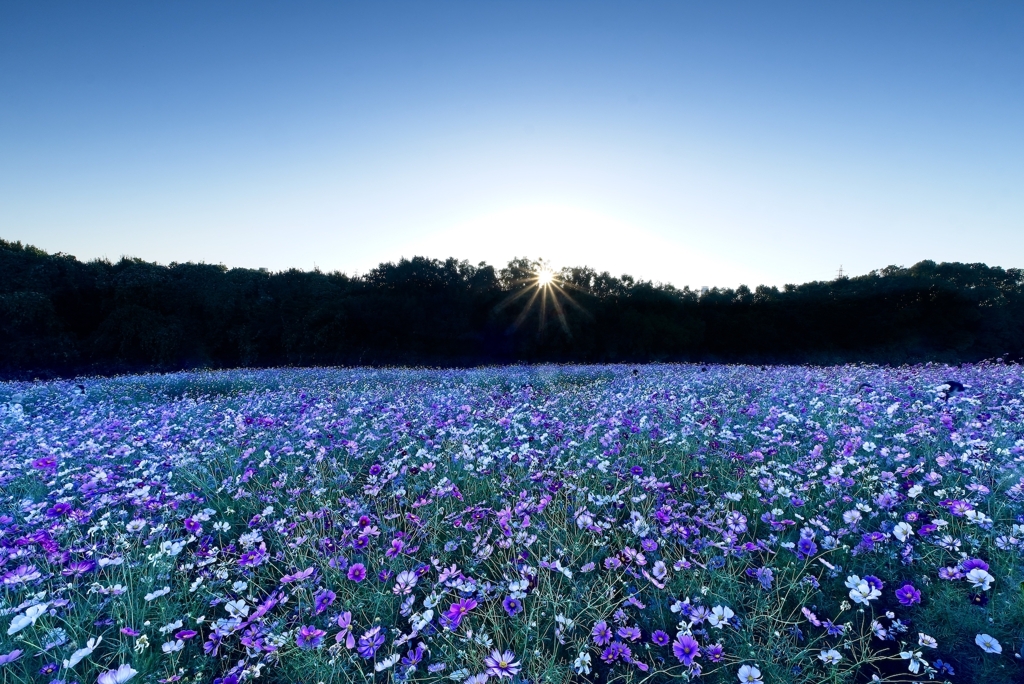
[(59, 317)]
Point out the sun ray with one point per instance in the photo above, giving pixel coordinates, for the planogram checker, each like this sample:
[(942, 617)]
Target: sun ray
[(544, 286)]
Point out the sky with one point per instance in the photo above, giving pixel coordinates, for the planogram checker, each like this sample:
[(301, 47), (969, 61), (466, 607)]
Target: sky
[(698, 144)]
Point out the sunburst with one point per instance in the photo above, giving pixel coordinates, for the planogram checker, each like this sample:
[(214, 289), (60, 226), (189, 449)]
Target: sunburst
[(545, 290)]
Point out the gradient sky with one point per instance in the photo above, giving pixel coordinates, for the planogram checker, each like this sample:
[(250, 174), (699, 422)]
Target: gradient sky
[(693, 143)]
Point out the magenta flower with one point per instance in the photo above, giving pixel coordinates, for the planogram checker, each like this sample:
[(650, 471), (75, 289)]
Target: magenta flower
[(298, 576), (345, 623), (309, 637), (192, 526), (686, 649), (322, 600), (357, 572), (458, 610), (908, 595)]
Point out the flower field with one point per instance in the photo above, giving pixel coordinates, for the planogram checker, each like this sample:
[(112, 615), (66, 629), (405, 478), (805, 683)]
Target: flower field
[(524, 524)]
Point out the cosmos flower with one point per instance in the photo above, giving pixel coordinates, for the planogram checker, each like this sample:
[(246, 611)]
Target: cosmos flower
[(660, 638), (309, 637), (908, 595), (749, 674), (830, 657), (502, 664), (6, 658), (83, 652), (357, 572), (29, 617), (988, 644), (369, 642), (119, 676), (720, 616), (512, 606), (601, 633), (323, 600), (458, 610), (685, 648), (980, 579)]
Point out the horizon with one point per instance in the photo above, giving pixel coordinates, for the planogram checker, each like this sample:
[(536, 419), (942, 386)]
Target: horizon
[(498, 267), (692, 145)]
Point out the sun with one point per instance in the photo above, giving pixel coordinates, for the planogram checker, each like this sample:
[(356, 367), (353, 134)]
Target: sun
[(545, 290)]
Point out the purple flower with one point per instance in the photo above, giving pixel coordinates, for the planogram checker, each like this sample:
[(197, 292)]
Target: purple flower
[(512, 606), (685, 649), (322, 600), (58, 509), (974, 563), (376, 469), (660, 638), (371, 640), (345, 623), (602, 633), (714, 652), (78, 568), (805, 548), (873, 582), (616, 650), (10, 657), (458, 610), (21, 574), (908, 595), (251, 559), (502, 665), (631, 633), (185, 634), (357, 572), (298, 576), (192, 526), (310, 637)]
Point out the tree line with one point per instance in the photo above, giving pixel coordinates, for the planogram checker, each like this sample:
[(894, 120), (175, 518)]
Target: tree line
[(61, 317)]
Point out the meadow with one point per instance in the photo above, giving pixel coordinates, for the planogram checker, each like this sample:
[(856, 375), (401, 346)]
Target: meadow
[(521, 524)]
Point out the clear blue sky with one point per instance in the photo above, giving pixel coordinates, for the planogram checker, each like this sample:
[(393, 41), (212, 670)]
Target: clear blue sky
[(696, 143)]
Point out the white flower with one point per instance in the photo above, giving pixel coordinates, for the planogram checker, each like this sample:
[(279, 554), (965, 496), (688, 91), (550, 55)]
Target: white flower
[(172, 646), (927, 641), (749, 674), (916, 661), (988, 643), (659, 570), (405, 581), (157, 594), (902, 531), (852, 517), (720, 616), (864, 593), (830, 657), (177, 624), (81, 653), (29, 617), (118, 676), (237, 608), (582, 663), (980, 578), (387, 662), (915, 491)]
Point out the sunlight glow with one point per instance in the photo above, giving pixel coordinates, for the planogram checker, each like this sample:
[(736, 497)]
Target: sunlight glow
[(545, 277)]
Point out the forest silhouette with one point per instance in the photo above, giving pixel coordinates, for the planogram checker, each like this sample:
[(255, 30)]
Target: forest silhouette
[(62, 317)]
